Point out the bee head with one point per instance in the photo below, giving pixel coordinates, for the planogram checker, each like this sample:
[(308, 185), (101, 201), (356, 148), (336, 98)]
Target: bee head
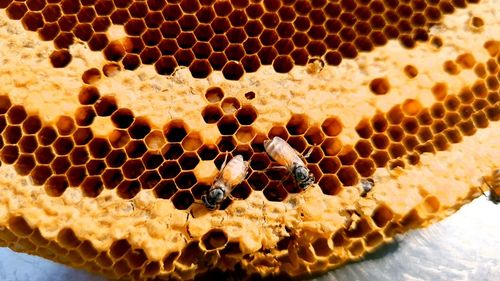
[(213, 197), (303, 176)]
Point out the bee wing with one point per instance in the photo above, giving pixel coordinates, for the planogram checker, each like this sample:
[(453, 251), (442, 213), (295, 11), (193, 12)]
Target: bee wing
[(235, 171), (282, 152)]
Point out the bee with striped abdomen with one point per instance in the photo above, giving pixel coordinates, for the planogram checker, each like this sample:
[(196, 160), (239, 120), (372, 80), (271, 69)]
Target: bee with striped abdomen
[(230, 175), (285, 155)]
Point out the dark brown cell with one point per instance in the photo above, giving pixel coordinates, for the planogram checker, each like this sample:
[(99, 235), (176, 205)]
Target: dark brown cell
[(379, 86), (39, 174), (111, 178), (12, 134), (165, 189), (24, 164), (330, 185), (95, 167), (166, 65), (49, 31), (135, 148), (60, 58), (79, 155), (92, 186), (16, 10), (128, 189), (76, 175), (47, 135), (182, 199), (149, 179)]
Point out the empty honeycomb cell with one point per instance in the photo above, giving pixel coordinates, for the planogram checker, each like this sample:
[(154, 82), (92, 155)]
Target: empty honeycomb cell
[(132, 169), (364, 129), (85, 115), (99, 147), (65, 125), (60, 58), (51, 13), (259, 161), (348, 176), (382, 215), (329, 165), (111, 178), (172, 151), (122, 118), (88, 95), (131, 62), (208, 152), (32, 21), (79, 155), (149, 179), (361, 228), (169, 169), (40, 174), (98, 42), (438, 126), (135, 148), (76, 175), (314, 135), (480, 120), (128, 189), (60, 165), (56, 185), (452, 118), (453, 135), (364, 147), (95, 167), (381, 157), (381, 141), (226, 143), (214, 239), (166, 65), (12, 134), (44, 155), (82, 136), (396, 150), (19, 226), (48, 32), (188, 160), (185, 180), (467, 127), (150, 55), (16, 114), (175, 131), (424, 117), (182, 199), (92, 186), (228, 125), (347, 155), (380, 86), (24, 164), (410, 125), (365, 167)]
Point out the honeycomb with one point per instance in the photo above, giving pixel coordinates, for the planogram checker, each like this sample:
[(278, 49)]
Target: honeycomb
[(116, 116)]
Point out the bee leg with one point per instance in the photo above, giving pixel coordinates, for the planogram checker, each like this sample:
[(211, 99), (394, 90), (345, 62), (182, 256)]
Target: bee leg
[(488, 184), (224, 163), (309, 152), (484, 182)]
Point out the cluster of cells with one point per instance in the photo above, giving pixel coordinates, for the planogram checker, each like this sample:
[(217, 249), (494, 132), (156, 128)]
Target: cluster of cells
[(234, 37), (136, 156)]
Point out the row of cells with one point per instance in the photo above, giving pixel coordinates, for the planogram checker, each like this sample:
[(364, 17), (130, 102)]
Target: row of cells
[(135, 157), (229, 36)]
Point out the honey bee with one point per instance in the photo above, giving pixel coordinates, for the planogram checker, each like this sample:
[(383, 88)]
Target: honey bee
[(494, 187), (366, 186), (230, 175), (285, 155)]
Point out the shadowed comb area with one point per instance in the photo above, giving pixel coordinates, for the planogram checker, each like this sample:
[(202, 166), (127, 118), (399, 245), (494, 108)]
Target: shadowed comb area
[(106, 186)]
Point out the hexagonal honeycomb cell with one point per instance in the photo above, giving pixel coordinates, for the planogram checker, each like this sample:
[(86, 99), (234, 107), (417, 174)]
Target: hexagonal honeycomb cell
[(239, 74)]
